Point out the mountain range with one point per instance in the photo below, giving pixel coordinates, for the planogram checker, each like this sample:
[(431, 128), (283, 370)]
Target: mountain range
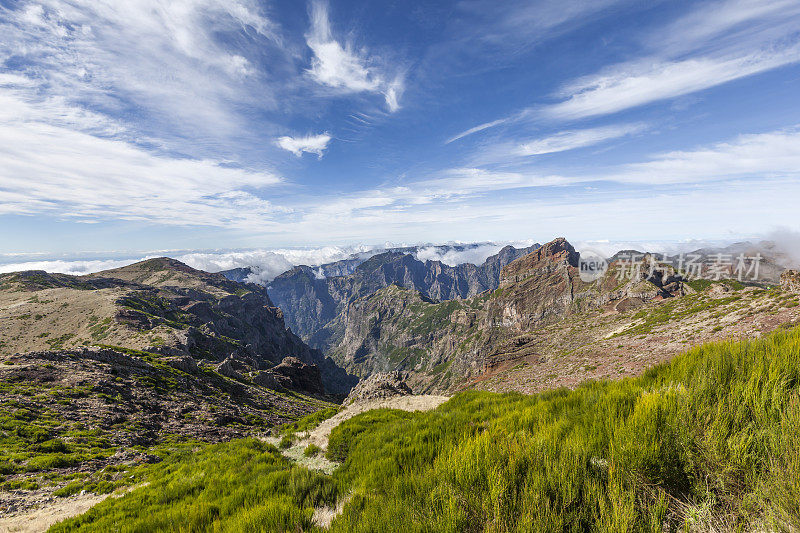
[(109, 368)]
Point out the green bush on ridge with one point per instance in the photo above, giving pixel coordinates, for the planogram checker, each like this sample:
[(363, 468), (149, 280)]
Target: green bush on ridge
[(709, 441)]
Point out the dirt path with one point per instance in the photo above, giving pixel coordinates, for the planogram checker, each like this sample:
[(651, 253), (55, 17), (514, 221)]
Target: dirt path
[(319, 435), (51, 512), (38, 519), (41, 518)]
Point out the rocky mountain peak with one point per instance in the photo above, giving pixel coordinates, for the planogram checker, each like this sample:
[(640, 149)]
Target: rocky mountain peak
[(556, 252)]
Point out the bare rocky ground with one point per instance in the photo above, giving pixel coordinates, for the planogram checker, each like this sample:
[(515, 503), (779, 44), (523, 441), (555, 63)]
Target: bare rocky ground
[(609, 344), (99, 412), (43, 513)]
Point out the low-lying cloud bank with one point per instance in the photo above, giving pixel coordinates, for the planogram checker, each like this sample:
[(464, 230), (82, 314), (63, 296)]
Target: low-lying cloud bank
[(268, 263), (456, 254), (783, 244)]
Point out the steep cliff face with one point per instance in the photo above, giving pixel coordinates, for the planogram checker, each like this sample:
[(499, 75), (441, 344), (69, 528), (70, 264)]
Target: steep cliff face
[(400, 329), (158, 305), (545, 286), (310, 300), (442, 344)]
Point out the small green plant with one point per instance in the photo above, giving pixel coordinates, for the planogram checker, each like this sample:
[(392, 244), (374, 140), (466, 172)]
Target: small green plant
[(312, 450)]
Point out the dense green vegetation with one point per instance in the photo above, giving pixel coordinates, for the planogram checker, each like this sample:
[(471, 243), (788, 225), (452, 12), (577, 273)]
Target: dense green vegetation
[(309, 422), (244, 485), (708, 442)]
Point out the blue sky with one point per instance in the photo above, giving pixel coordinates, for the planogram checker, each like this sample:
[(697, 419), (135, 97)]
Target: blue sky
[(212, 124)]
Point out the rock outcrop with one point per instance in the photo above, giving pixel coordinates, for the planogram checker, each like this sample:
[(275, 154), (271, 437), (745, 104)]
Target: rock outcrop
[(379, 386), (136, 397), (790, 281), (442, 344), (292, 374)]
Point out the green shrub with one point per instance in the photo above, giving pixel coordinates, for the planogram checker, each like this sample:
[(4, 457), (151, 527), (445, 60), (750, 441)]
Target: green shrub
[(309, 422), (312, 450), (70, 489)]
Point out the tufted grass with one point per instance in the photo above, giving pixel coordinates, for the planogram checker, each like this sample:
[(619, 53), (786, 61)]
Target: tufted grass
[(707, 442)]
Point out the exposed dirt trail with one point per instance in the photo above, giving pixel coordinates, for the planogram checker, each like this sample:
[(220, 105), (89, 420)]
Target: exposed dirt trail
[(41, 518), (319, 435)]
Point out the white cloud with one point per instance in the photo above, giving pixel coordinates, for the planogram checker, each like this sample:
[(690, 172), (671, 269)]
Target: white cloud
[(454, 256), (515, 25), (715, 43), (570, 140), (266, 263), (344, 68), (313, 144), (786, 242), (726, 24), (476, 129), (394, 90), (758, 156), (632, 85), (173, 63), (56, 159), (475, 203), (75, 268), (507, 151)]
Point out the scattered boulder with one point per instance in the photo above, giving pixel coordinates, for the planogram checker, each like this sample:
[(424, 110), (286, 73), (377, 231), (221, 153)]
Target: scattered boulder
[(269, 379), (790, 281), (379, 387), (184, 363), (226, 369), (294, 374)]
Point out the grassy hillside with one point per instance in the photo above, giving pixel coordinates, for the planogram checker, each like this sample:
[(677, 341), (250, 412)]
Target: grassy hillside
[(710, 441)]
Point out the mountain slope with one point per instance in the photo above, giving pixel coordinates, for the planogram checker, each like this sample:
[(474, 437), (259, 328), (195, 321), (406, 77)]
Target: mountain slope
[(310, 300), (93, 367), (159, 305), (544, 327)]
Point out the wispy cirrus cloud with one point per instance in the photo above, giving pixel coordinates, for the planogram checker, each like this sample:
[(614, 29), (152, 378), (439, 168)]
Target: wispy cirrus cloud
[(85, 174), (635, 84), (716, 43), (570, 140), (346, 69), (758, 156), (506, 152), (312, 144), (476, 129), (515, 25), (746, 159), (169, 68)]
